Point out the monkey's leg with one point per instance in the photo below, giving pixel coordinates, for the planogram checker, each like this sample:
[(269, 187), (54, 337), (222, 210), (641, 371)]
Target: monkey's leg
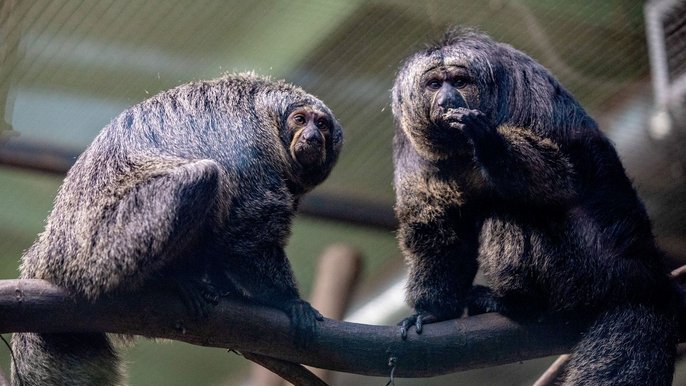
[(438, 282), (138, 231), (440, 247), (628, 345), (266, 277), (438, 237), (151, 223)]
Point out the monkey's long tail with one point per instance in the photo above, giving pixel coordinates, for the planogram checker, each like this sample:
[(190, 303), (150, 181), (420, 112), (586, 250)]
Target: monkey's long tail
[(64, 359), (628, 345)]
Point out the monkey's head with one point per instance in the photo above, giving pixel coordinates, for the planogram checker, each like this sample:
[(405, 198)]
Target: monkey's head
[(310, 134), (313, 140), (468, 69), (310, 130), (298, 131)]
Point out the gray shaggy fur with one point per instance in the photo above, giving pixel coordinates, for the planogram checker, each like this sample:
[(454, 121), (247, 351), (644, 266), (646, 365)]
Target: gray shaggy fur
[(195, 187), (498, 166)]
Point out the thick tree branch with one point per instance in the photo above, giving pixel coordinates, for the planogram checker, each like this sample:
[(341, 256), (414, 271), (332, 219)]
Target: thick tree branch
[(551, 375), (291, 372), (446, 347)]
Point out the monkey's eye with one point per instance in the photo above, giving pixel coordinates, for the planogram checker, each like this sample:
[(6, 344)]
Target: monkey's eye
[(434, 84), (322, 125), (460, 82), (299, 119)]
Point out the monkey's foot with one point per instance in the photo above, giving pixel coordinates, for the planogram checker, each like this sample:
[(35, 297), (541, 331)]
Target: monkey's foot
[(199, 296), (304, 320), (417, 320)]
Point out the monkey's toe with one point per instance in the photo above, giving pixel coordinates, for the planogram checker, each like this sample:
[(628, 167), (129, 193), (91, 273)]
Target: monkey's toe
[(417, 320), (405, 325)]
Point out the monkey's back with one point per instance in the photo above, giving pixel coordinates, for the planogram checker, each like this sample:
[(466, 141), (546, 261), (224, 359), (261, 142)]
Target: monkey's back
[(213, 120)]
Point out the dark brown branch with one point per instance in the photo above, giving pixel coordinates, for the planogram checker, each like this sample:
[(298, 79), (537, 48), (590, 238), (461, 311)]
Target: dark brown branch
[(38, 157), (551, 375), (679, 274), (291, 372), (443, 348)]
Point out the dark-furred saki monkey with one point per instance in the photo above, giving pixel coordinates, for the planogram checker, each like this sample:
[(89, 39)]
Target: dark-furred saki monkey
[(498, 166)]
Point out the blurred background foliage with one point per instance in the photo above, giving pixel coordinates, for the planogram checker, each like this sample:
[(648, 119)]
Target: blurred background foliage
[(67, 67)]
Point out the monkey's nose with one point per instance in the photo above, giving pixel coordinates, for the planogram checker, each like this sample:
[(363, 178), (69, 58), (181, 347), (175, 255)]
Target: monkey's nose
[(312, 135), (443, 100), (447, 99)]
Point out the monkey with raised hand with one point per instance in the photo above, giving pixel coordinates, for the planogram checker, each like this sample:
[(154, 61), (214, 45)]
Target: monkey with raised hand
[(195, 187), (498, 166)]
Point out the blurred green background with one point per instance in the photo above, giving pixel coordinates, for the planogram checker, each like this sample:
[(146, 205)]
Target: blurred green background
[(68, 67)]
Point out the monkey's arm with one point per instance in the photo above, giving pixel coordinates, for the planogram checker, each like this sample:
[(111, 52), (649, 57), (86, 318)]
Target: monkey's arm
[(438, 238), (518, 164), (153, 212)]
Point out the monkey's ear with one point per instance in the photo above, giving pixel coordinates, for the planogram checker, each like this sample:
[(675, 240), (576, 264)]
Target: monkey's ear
[(160, 206)]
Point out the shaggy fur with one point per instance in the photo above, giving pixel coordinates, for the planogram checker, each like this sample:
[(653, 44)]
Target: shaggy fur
[(195, 187), (498, 166)]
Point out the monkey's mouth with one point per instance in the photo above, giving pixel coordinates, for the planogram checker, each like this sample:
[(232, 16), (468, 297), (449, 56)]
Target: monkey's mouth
[(437, 116), (443, 116), (308, 154)]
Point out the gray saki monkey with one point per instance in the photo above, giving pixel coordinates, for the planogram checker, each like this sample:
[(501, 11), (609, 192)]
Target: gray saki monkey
[(195, 188)]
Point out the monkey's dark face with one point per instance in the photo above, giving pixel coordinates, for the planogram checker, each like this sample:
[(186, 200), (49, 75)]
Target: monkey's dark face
[(448, 87), (310, 133), (427, 94)]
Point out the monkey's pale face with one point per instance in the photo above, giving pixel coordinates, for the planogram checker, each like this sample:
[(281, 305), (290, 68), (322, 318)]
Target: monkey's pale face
[(310, 130)]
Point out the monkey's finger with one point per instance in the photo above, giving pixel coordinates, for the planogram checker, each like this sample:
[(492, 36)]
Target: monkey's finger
[(475, 114), (419, 324), (459, 110), (423, 318), (457, 125), (457, 113), (405, 325), (403, 332), (453, 116)]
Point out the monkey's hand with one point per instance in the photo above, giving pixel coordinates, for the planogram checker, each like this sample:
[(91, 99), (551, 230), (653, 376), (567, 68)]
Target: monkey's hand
[(473, 123), (417, 320), (304, 320)]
